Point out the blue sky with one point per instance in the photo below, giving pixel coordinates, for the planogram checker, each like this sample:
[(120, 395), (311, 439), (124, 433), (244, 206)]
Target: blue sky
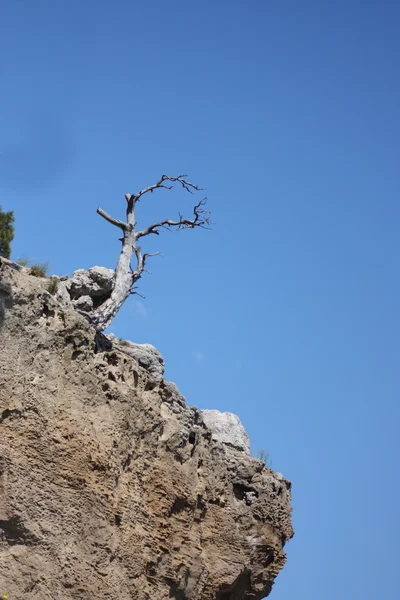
[(287, 312)]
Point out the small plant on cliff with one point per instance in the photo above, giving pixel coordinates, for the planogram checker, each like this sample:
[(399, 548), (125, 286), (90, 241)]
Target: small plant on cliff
[(265, 457), (6, 232), (23, 261), (53, 285), (40, 269), (126, 275)]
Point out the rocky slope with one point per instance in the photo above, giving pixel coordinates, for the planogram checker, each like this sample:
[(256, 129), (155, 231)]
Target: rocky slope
[(111, 487)]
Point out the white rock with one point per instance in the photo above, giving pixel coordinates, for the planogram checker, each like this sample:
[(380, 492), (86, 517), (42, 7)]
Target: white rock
[(226, 428), (95, 282)]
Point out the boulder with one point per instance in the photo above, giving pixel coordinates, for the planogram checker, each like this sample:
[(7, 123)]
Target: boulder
[(96, 282), (226, 428)]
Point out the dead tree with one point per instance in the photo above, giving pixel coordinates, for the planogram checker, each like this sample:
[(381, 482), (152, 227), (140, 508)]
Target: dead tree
[(125, 275)]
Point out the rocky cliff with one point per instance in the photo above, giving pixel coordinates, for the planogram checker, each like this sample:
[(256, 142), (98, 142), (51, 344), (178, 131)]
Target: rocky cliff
[(111, 487)]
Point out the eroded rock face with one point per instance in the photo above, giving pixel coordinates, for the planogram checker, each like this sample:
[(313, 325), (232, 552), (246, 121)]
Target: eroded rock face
[(145, 355), (111, 487)]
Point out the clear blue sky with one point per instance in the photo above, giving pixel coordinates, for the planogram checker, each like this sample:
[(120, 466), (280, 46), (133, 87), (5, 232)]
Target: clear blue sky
[(287, 313)]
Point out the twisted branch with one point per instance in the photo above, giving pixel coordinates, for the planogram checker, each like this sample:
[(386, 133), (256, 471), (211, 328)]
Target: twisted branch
[(187, 185), (201, 219)]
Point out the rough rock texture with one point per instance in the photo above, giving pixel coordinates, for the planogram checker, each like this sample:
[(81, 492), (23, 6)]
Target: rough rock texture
[(86, 290), (226, 428), (84, 303), (111, 487), (146, 355)]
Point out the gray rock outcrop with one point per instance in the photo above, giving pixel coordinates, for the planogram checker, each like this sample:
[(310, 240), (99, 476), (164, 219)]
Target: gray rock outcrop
[(86, 289), (96, 282), (226, 428), (146, 355)]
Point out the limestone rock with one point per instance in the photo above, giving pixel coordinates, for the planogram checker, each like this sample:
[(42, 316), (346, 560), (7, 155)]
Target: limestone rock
[(96, 282), (227, 428), (146, 355), (84, 303), (111, 487), (62, 293)]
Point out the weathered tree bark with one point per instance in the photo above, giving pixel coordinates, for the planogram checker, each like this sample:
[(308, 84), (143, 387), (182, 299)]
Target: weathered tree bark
[(125, 276)]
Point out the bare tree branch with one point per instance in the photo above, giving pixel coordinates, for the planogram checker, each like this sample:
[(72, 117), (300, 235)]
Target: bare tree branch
[(147, 255), (201, 219), (187, 185), (110, 219), (133, 292)]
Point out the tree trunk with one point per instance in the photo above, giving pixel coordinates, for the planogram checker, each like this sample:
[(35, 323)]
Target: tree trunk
[(124, 280)]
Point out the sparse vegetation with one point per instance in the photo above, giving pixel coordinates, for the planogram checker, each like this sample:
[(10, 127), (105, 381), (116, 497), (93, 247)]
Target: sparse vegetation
[(40, 269), (265, 457), (23, 261), (6, 232), (53, 285)]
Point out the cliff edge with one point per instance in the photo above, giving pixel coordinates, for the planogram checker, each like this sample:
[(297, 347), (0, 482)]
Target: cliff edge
[(111, 487)]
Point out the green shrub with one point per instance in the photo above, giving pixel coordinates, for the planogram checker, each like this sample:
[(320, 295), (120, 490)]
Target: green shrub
[(40, 269), (53, 285), (23, 261)]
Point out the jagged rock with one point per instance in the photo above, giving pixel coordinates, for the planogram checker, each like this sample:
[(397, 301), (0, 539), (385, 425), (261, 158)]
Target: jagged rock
[(227, 428), (146, 355), (96, 282), (84, 303), (85, 290), (110, 486), (62, 294), (174, 392)]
